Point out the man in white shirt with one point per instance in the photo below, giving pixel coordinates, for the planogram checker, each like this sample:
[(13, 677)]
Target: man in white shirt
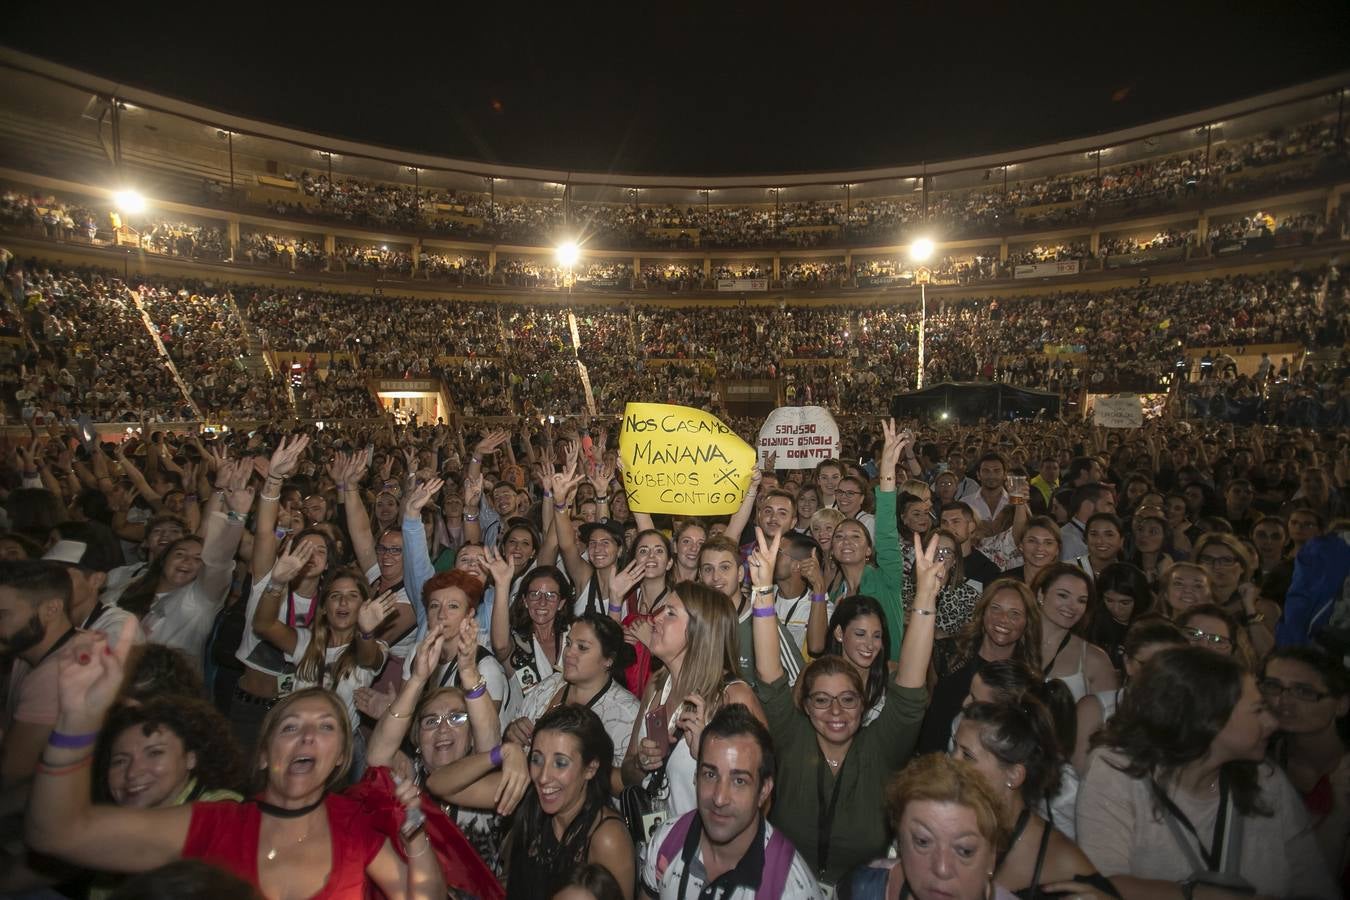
[(89, 551), (1085, 502), (725, 848), (989, 501)]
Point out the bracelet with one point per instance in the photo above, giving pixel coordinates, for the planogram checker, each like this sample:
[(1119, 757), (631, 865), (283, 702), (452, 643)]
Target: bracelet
[(820, 598), (44, 769), (71, 741), (548, 494), (764, 589), (1255, 618), (234, 517), (495, 756), (475, 459), (281, 533), (923, 612), (265, 497), (394, 715), (477, 691), (763, 612), (423, 851), (365, 635), (560, 506), (615, 609), (604, 499), (469, 518)]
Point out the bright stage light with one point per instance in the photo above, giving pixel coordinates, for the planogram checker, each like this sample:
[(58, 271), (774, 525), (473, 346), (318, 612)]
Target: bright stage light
[(129, 201), (921, 249), (568, 253)]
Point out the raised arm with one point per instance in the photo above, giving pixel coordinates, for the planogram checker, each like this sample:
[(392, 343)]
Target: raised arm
[(224, 529), (473, 497), (392, 727), (354, 507), (283, 462), (483, 717), (917, 648), (266, 622), (742, 516), (500, 627), (564, 483), (133, 473), (817, 622), (768, 664), (417, 566), (61, 821)]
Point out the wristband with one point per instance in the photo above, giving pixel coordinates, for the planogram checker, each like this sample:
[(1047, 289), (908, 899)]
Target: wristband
[(469, 518), (923, 612), (820, 598), (495, 756), (475, 459), (44, 769), (548, 494), (604, 499), (71, 741), (764, 589), (190, 498), (281, 533), (265, 497), (763, 612), (560, 506), (234, 517), (477, 691), (616, 609), (365, 635)]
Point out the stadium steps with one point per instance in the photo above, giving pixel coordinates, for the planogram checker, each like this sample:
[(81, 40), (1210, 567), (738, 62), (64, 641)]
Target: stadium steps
[(151, 330), (256, 361)]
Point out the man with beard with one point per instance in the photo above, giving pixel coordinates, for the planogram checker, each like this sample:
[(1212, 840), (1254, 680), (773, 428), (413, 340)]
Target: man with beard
[(725, 848), (34, 596)]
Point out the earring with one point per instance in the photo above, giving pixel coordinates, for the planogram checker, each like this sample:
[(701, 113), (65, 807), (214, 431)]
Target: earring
[(1010, 785)]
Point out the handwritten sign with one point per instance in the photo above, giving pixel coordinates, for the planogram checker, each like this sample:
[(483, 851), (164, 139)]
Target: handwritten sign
[(677, 459), (1118, 412), (801, 436)]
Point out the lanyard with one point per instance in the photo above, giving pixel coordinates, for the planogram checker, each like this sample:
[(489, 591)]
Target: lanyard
[(60, 642), (1020, 827), (562, 701), (1213, 856), (94, 615), (290, 611), (825, 817)]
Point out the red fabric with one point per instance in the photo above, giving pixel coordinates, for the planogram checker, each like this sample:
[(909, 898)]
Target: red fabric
[(1319, 800), (639, 673), (225, 834), (460, 864)]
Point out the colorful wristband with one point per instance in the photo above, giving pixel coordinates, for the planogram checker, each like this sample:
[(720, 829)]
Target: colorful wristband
[(495, 756), (72, 741), (763, 612), (477, 691), (820, 598), (615, 609)]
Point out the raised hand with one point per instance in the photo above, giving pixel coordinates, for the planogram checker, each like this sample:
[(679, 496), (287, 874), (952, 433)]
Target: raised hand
[(292, 562), (811, 574), (238, 492), (763, 560), (286, 457), (639, 632), (373, 612), (428, 655), (521, 731), (419, 496), (928, 572), (89, 675), (372, 702), (692, 718), (339, 468), (625, 579), (501, 568), (892, 446), (490, 442), (473, 491), (466, 650)]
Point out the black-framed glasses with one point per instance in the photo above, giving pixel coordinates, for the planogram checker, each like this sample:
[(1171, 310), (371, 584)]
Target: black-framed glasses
[(848, 493), (1224, 561), (541, 596), (1196, 636), (822, 701), (453, 719), (388, 550), (1273, 689)]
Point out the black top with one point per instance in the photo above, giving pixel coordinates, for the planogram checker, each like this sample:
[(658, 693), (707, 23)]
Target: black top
[(949, 695)]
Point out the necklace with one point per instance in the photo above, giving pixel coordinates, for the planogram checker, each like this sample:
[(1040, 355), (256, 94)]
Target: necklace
[(272, 851), (833, 763), (280, 812)]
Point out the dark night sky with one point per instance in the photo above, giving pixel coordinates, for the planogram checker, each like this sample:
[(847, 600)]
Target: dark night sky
[(730, 90)]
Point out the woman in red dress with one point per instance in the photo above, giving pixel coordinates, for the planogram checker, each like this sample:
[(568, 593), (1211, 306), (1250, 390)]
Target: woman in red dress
[(295, 838)]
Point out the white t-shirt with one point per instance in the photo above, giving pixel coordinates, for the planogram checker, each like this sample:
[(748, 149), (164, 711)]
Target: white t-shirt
[(616, 707), (447, 675), (183, 618), (108, 620), (256, 653), (346, 688), (801, 884), (795, 612)]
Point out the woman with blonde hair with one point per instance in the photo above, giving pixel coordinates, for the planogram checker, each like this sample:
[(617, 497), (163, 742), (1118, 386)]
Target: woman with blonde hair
[(694, 636), (295, 838)]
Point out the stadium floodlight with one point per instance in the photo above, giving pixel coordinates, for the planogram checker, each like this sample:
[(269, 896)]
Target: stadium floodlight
[(921, 249), (568, 253), (129, 201)]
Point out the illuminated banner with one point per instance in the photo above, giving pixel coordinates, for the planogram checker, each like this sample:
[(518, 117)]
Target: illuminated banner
[(801, 436), (742, 284), (677, 459), (1038, 270)]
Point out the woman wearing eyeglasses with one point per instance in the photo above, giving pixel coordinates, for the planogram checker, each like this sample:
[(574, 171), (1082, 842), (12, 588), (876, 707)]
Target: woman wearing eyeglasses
[(829, 768), (1308, 689), (957, 599), (1178, 801), (850, 498), (1231, 565), (444, 725), (527, 634), (1211, 627)]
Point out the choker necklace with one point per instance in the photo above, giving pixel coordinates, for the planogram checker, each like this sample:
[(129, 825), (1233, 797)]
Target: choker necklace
[(281, 812)]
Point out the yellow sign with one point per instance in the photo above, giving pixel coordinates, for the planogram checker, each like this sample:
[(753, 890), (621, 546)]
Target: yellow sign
[(677, 459)]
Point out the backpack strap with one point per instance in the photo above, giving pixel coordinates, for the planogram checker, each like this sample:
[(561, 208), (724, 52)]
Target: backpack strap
[(778, 856), (673, 845)]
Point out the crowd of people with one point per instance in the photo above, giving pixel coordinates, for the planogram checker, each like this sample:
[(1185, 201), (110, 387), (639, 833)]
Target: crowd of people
[(91, 355), (958, 661)]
